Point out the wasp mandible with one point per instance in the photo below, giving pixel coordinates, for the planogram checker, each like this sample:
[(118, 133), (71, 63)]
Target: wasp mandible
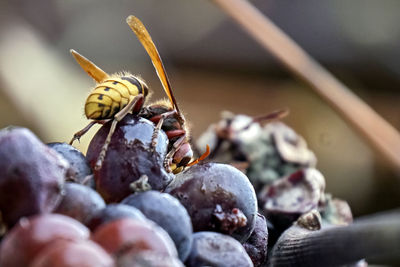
[(119, 94)]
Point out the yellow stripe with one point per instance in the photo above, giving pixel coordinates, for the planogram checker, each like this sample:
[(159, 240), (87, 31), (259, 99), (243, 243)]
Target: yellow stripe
[(121, 88), (93, 111), (115, 108), (133, 90), (94, 98), (106, 112), (123, 103), (111, 92)]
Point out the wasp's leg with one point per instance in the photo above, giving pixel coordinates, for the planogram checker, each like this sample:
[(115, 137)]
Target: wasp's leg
[(169, 158), (202, 157), (79, 134), (159, 119), (134, 104), (156, 132), (155, 119)]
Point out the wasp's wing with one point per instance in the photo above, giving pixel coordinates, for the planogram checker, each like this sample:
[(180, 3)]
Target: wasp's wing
[(95, 72), (145, 38)]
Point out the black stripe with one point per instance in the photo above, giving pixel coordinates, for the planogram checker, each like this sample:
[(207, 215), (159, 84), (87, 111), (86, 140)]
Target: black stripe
[(133, 81), (115, 110), (107, 113)]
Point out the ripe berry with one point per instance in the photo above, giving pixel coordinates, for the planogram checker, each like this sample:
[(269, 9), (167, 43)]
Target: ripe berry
[(31, 235), (257, 244), (218, 197), (215, 249), (114, 212), (80, 202), (79, 167), (147, 259), (126, 235), (31, 175), (130, 156), (82, 253), (168, 213)]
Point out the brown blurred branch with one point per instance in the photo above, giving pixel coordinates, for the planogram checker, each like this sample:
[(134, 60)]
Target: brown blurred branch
[(383, 136)]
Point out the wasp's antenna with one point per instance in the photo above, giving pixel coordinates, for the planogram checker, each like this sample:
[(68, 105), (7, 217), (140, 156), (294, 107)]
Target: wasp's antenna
[(202, 157)]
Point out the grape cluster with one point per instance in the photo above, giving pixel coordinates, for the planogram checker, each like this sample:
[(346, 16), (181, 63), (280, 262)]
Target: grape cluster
[(56, 211)]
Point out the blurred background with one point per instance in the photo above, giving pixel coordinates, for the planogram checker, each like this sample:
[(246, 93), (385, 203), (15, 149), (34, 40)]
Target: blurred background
[(213, 66)]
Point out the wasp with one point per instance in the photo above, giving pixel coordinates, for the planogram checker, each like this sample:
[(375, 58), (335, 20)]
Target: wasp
[(114, 96)]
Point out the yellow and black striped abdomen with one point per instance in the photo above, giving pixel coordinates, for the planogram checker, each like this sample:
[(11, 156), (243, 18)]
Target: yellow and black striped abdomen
[(112, 95)]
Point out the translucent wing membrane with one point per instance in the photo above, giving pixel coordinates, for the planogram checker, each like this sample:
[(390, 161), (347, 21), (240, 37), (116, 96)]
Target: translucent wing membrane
[(95, 72), (144, 37)]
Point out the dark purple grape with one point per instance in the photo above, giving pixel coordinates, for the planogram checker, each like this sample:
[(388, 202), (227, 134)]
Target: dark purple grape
[(79, 168), (215, 249), (80, 202), (257, 244), (31, 175), (114, 212), (82, 253), (128, 236), (31, 235), (218, 197), (129, 157), (168, 213)]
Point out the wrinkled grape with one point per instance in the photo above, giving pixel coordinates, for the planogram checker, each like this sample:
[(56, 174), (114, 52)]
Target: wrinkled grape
[(257, 244)]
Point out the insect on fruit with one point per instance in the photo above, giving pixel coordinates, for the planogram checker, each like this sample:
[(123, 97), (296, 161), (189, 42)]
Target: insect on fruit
[(117, 95)]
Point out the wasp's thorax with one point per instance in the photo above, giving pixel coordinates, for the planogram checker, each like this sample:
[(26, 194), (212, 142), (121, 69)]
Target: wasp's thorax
[(112, 95)]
